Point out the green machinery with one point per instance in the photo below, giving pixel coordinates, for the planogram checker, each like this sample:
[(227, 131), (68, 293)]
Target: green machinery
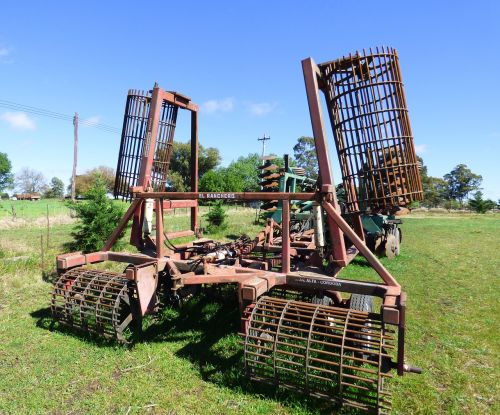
[(382, 231), (383, 234), (284, 178)]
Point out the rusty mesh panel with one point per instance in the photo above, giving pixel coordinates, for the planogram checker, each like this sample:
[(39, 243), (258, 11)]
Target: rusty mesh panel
[(369, 117), (164, 144), (134, 130), (135, 122)]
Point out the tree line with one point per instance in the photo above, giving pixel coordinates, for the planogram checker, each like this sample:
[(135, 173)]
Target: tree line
[(452, 191)]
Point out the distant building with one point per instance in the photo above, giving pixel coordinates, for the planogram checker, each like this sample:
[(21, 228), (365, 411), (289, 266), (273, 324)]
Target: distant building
[(27, 196)]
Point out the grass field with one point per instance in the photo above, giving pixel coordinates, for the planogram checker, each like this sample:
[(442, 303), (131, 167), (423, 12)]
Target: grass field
[(189, 360), (25, 209)]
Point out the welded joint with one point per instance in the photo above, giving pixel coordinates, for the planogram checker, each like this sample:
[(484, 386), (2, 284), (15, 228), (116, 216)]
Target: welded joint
[(146, 279), (390, 310), (76, 259), (327, 193)]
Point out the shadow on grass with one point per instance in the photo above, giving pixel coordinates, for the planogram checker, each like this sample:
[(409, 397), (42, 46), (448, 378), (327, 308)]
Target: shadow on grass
[(360, 261), (50, 276), (208, 325), (206, 328), (43, 319)]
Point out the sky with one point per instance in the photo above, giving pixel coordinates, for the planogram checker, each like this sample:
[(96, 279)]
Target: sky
[(240, 61)]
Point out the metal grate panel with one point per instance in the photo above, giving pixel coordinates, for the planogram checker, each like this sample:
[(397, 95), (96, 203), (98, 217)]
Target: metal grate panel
[(134, 131), (164, 146), (135, 122)]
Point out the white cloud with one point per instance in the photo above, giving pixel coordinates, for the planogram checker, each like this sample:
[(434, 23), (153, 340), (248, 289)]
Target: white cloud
[(421, 148), (5, 55), (261, 108), (18, 120), (218, 105), (91, 121)]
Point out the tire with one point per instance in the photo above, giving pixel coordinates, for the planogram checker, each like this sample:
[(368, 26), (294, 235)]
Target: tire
[(361, 302), (397, 234), (322, 300)]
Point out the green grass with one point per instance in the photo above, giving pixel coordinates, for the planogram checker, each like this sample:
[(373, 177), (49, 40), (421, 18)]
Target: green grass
[(189, 360), (25, 209)]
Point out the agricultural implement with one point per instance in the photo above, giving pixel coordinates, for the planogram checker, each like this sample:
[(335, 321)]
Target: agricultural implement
[(304, 327), (383, 234)]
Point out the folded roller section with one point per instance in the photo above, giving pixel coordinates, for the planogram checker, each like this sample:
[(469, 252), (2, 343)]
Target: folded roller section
[(371, 127), (133, 143)]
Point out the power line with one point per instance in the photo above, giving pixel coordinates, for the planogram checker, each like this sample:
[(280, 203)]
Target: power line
[(57, 115)]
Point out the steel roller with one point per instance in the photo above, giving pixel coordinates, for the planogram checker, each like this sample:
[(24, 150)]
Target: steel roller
[(95, 301), (338, 354)]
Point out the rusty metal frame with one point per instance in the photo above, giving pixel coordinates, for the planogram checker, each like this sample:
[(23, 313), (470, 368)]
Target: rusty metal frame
[(160, 108), (252, 283)]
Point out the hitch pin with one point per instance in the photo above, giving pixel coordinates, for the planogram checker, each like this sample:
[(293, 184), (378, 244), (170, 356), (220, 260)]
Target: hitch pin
[(412, 369)]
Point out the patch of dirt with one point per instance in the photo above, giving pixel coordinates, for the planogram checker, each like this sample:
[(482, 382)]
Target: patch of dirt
[(117, 374)]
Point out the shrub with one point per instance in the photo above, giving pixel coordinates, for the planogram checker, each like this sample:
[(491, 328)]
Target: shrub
[(451, 204), (480, 205), (97, 217), (217, 216)]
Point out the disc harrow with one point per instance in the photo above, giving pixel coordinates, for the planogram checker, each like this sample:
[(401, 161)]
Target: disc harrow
[(321, 336), (98, 302), (333, 353)]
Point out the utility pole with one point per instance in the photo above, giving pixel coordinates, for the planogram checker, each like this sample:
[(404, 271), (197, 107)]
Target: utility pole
[(75, 156), (264, 139)]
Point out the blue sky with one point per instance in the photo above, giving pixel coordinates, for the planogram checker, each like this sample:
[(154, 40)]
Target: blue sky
[(240, 61)]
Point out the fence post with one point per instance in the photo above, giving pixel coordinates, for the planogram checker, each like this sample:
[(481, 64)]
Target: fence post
[(48, 226), (42, 263)]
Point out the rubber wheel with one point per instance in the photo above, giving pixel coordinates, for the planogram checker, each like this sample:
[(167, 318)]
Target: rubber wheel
[(391, 246), (322, 300), (362, 302), (397, 235)]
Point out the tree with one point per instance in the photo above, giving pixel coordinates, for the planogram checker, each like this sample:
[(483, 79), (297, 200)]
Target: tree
[(242, 175), (85, 181), (451, 204), (107, 174), (30, 181), (56, 189), (304, 153), (6, 176), (221, 180), (97, 216), (180, 164), (435, 188), (480, 205), (217, 217), (175, 182), (245, 170), (461, 181)]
